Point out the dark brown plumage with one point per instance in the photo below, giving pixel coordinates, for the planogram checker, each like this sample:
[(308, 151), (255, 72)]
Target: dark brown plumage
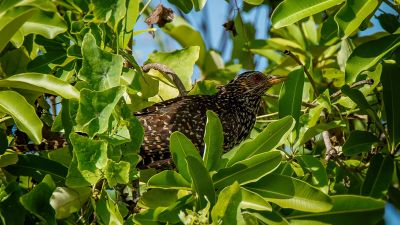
[(236, 104)]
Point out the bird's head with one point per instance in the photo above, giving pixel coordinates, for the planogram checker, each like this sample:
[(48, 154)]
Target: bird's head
[(252, 83)]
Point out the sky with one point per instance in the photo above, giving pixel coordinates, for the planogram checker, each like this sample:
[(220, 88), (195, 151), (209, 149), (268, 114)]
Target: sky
[(217, 12)]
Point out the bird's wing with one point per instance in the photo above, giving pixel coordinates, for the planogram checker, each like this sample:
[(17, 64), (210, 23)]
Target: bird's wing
[(158, 106)]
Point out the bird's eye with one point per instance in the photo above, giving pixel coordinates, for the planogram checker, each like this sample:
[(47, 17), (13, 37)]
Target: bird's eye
[(257, 78)]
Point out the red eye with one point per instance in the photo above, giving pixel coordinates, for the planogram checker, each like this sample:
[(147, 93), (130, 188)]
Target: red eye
[(257, 78)]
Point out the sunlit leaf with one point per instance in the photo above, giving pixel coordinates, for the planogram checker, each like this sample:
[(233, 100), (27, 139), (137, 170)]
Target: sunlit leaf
[(14, 23), (91, 156), (168, 179), (226, 210), (346, 210), (291, 11), (66, 201), (181, 62), (273, 135), (248, 170), (100, 69), (95, 108), (288, 192), (213, 141), (187, 36), (368, 54), (23, 114), (181, 147), (41, 83), (201, 181), (117, 172), (251, 200), (352, 14)]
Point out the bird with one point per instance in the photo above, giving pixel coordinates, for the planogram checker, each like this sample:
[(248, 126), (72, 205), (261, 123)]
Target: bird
[(235, 103)]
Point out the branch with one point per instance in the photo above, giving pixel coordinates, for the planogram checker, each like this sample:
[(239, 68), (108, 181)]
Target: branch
[(354, 85), (289, 53), (169, 74)]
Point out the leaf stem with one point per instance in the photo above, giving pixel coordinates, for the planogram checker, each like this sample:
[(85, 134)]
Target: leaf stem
[(295, 58)]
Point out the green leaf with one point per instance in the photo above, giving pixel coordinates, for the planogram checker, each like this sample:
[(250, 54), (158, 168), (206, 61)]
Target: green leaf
[(226, 210), (317, 129), (317, 171), (8, 158), (108, 211), (14, 23), (359, 141), (37, 167), (288, 192), (154, 198), (213, 141), (95, 109), (391, 98), (100, 69), (168, 179), (47, 24), (185, 6), (346, 210), (329, 32), (379, 176), (11, 210), (248, 170), (46, 62), (291, 11), (201, 182), (358, 97), (181, 147), (186, 36), (37, 201), (23, 114), (251, 200), (254, 2), (66, 201), (270, 218), (352, 14), (41, 83), (117, 172), (368, 54), (291, 94), (272, 136), (181, 62), (91, 156), (76, 178), (199, 4)]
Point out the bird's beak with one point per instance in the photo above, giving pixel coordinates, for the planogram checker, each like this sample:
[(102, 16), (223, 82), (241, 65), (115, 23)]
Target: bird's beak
[(276, 80)]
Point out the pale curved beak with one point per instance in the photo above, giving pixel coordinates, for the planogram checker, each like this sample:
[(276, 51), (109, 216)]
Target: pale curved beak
[(276, 80)]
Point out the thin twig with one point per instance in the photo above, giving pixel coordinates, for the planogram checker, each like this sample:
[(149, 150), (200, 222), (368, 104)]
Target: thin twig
[(244, 34), (52, 99), (295, 58), (354, 85), (169, 74)]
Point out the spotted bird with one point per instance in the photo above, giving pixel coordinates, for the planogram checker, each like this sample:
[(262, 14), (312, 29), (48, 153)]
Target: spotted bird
[(236, 105)]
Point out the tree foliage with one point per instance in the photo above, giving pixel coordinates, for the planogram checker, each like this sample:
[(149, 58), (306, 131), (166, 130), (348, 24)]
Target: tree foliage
[(324, 150)]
